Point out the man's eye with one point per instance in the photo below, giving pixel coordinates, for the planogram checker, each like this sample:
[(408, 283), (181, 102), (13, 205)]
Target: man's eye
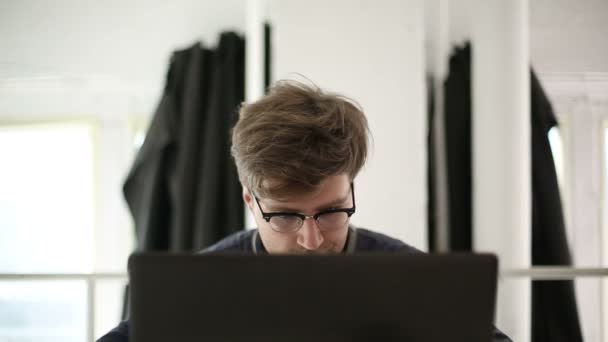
[(285, 218)]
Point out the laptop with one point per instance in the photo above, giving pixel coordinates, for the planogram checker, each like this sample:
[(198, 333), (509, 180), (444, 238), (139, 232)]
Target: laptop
[(364, 297)]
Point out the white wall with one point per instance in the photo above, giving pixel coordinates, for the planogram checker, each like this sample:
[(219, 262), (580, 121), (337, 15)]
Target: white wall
[(373, 52), (498, 31), (100, 50)]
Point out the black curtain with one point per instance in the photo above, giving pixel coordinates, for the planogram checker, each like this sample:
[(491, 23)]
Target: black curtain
[(267, 55), (183, 190), (554, 311), (457, 128), (431, 209)]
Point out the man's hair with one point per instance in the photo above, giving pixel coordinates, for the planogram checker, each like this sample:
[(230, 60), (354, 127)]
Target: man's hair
[(295, 136)]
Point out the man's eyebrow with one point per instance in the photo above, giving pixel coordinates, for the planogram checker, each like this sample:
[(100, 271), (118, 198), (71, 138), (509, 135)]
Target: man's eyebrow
[(334, 204), (326, 206)]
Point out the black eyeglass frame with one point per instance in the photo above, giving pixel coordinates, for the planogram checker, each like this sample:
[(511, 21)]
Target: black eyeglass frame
[(302, 217)]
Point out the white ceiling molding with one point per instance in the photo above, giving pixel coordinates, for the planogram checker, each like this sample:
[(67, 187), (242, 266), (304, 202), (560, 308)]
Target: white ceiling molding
[(571, 91), (43, 98), (591, 84)]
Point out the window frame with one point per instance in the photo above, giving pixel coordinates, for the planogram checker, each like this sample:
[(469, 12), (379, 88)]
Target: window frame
[(580, 103), (101, 133)]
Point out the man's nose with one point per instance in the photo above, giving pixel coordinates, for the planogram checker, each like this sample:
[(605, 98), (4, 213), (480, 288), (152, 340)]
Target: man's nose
[(310, 236)]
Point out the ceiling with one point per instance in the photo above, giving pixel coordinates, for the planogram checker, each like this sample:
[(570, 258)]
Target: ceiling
[(569, 35)]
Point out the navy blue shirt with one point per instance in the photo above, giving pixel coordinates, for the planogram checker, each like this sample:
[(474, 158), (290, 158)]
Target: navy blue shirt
[(248, 241)]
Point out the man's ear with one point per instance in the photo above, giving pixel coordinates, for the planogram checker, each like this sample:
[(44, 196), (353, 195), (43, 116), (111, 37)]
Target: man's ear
[(248, 198)]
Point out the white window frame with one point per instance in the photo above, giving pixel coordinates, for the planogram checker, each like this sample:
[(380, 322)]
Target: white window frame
[(580, 102)]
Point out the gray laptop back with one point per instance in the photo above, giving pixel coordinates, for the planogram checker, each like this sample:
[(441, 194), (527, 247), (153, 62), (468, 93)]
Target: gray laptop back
[(367, 297)]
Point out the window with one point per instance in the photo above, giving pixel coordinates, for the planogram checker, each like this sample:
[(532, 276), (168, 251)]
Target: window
[(48, 310), (65, 231), (557, 149), (46, 202), (580, 150), (604, 262)]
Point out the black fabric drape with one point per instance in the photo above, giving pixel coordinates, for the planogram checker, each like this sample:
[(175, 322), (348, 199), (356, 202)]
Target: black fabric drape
[(183, 190), (267, 55), (554, 311), (457, 128), (431, 209)]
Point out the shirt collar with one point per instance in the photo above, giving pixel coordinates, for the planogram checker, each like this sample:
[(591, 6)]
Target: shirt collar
[(349, 247)]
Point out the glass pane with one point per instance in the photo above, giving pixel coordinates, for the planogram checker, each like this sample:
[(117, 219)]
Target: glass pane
[(605, 206), (43, 311), (109, 299), (46, 202), (138, 139), (555, 140), (588, 298)]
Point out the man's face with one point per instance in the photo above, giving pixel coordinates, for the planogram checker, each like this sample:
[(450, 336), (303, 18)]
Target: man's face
[(333, 192)]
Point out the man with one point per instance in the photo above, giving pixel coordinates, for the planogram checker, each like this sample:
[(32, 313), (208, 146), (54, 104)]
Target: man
[(298, 151)]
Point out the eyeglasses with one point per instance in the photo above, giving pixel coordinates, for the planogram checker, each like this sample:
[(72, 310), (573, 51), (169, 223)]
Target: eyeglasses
[(285, 222)]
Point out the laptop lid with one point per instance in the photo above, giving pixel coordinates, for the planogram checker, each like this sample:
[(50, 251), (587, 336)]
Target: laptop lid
[(365, 297)]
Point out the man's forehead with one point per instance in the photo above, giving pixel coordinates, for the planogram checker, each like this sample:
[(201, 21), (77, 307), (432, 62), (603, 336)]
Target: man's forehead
[(317, 200), (331, 191)]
